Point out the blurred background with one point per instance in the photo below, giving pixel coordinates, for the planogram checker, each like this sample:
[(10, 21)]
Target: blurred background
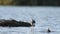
[(31, 2)]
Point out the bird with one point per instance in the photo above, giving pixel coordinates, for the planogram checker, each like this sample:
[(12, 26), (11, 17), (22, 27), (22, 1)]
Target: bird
[(14, 23), (27, 24)]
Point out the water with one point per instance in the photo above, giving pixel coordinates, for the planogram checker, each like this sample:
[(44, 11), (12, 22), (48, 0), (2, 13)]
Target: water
[(45, 17)]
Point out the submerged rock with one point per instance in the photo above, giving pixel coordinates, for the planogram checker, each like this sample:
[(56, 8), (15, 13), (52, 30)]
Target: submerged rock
[(48, 30)]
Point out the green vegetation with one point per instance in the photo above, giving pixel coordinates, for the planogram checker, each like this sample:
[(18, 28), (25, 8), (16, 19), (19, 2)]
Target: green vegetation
[(30, 2)]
